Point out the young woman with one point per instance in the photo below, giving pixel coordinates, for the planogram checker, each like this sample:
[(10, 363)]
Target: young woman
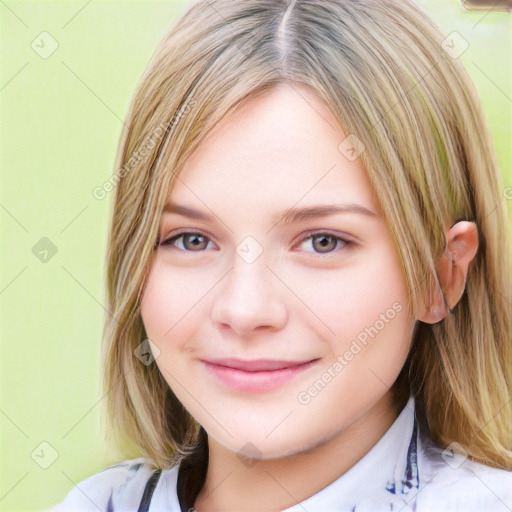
[(309, 271)]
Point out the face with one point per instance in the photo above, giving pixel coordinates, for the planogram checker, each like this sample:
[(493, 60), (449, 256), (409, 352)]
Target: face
[(267, 321)]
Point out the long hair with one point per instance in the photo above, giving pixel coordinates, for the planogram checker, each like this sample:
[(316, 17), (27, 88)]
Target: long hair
[(381, 68)]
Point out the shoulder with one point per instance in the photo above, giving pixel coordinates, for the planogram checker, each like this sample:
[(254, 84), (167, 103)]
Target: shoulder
[(451, 482), (117, 487)]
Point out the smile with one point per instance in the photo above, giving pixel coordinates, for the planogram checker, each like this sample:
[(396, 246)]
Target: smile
[(255, 376)]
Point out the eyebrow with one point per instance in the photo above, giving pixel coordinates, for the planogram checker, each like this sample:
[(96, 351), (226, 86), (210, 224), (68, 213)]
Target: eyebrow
[(290, 216)]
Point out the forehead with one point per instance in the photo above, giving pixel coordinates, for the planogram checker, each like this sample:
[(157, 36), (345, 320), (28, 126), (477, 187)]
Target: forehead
[(278, 148)]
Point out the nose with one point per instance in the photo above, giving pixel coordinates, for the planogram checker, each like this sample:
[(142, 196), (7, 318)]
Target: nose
[(249, 299)]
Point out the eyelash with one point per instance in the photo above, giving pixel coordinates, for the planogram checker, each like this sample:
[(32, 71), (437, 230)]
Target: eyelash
[(309, 235)]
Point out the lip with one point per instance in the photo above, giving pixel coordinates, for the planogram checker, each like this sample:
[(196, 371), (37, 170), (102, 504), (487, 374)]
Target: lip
[(255, 376)]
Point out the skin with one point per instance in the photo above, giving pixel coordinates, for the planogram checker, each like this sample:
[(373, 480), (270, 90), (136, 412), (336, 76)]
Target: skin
[(204, 301)]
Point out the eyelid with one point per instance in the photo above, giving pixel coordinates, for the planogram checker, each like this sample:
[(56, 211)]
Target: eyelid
[(163, 241), (336, 234), (348, 242)]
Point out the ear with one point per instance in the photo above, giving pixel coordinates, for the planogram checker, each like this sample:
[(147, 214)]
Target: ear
[(452, 270)]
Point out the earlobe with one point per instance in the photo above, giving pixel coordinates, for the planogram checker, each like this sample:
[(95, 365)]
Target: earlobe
[(461, 248), (434, 306)]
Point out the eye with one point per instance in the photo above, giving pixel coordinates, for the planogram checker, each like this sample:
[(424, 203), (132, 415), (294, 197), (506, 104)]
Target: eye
[(325, 242), (322, 243), (189, 241)]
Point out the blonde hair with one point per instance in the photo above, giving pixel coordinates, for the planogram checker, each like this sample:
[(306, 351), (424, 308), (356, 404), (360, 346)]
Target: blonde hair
[(380, 68)]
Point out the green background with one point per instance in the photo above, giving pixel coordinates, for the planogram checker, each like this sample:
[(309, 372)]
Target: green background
[(61, 121)]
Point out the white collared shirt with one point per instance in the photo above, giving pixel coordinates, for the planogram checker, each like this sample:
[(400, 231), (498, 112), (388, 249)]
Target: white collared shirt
[(403, 472)]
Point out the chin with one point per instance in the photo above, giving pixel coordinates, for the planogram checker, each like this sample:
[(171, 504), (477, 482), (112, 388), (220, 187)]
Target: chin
[(259, 447)]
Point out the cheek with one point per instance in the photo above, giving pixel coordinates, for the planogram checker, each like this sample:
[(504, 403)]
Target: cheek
[(171, 300), (354, 297), (376, 336), (366, 307), (156, 304)]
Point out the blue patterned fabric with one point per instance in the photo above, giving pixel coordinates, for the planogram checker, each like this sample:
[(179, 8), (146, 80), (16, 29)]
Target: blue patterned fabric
[(403, 472)]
